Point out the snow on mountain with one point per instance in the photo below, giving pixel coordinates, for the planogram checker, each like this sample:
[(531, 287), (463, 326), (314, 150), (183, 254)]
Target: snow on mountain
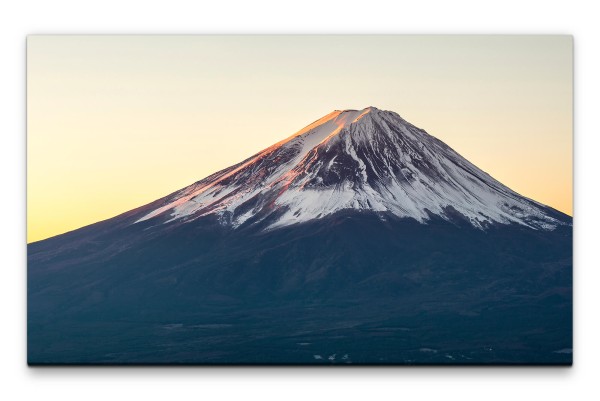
[(366, 160)]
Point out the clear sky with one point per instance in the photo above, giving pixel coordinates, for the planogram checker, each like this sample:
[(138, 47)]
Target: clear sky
[(114, 122)]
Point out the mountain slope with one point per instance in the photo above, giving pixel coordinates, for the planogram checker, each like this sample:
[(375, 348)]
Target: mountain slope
[(378, 291)]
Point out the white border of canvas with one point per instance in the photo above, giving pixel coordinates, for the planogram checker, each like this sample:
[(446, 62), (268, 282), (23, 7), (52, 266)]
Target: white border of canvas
[(20, 18)]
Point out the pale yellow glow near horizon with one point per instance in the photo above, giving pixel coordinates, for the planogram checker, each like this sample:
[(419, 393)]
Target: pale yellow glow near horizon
[(115, 122)]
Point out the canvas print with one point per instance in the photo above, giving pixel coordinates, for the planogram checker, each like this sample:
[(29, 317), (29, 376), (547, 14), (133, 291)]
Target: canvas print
[(311, 200)]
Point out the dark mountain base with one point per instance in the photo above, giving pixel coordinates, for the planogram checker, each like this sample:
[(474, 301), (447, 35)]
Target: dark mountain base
[(314, 335), (349, 290)]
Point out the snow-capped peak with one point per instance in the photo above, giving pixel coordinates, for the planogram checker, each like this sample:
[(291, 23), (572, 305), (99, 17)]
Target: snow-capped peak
[(365, 160)]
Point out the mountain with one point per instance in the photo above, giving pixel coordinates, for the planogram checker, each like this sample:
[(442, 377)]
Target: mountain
[(359, 239)]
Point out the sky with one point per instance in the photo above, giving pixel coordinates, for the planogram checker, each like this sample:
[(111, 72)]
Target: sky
[(115, 122)]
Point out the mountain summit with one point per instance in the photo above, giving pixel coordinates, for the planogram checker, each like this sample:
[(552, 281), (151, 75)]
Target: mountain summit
[(364, 160)]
